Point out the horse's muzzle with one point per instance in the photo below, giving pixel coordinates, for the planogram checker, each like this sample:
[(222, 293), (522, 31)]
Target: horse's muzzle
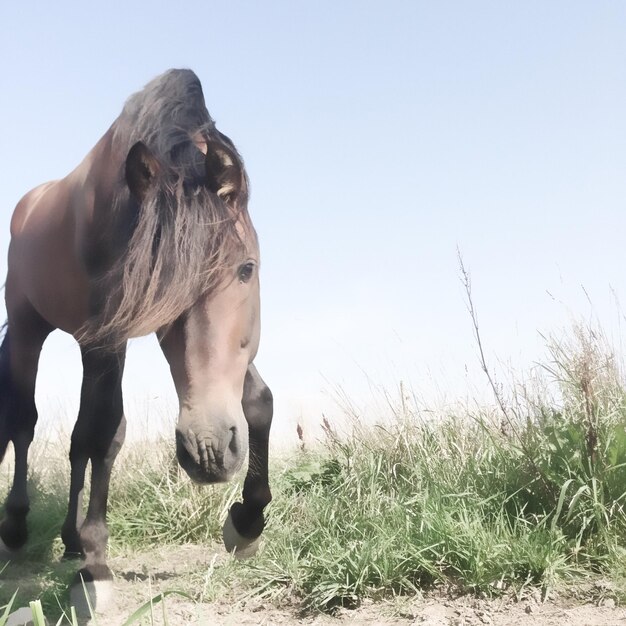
[(211, 459)]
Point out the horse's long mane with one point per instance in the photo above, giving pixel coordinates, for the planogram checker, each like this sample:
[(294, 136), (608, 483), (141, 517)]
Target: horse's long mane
[(183, 236)]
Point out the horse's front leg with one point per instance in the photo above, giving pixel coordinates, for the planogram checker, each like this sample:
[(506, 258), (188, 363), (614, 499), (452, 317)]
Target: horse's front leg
[(245, 522), (97, 438)]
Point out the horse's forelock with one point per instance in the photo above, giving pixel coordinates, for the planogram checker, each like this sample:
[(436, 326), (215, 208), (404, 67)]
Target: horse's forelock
[(185, 237)]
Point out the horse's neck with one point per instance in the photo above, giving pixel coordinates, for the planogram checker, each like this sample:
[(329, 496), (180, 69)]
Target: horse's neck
[(93, 185), (98, 172)]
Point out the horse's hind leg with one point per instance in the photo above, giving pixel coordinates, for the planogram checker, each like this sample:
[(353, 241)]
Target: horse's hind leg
[(6, 394), (245, 522), (19, 357), (97, 437)]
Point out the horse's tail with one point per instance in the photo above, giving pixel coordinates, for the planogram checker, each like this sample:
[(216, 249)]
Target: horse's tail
[(6, 391)]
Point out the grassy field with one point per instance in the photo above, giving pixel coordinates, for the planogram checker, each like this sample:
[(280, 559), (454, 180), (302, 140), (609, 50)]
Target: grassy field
[(527, 495)]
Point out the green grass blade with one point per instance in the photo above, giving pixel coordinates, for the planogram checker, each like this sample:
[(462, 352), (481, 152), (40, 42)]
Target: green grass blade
[(7, 609), (147, 607), (37, 610), (559, 506)]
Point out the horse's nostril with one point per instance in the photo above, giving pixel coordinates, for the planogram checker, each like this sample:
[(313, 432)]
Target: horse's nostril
[(233, 445), (187, 445), (185, 459)]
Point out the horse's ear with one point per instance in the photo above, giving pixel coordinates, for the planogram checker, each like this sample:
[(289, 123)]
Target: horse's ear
[(141, 168), (224, 175)]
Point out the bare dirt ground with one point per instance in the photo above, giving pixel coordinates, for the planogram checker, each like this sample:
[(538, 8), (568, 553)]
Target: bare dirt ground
[(595, 605), (142, 576)]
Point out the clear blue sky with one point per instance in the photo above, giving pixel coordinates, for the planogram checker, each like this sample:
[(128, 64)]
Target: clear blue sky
[(378, 137)]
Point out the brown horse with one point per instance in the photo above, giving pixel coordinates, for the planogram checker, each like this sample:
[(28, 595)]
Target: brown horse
[(150, 233)]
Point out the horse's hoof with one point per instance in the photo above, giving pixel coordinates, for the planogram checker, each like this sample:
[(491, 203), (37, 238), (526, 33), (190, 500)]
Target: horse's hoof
[(91, 594), (239, 546), (22, 617), (6, 553)]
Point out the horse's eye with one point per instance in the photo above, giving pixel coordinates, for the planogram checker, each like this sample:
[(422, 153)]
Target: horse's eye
[(245, 272)]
